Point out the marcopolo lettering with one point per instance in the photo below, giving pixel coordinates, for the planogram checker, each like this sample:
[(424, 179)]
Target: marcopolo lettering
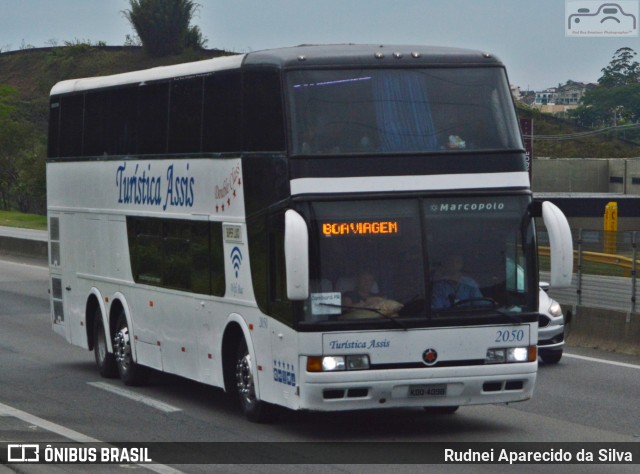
[(470, 207)]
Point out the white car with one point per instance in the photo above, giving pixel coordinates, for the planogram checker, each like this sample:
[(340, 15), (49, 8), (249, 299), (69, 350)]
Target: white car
[(552, 327)]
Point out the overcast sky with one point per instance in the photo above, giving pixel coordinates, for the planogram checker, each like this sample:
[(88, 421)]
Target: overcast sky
[(527, 35)]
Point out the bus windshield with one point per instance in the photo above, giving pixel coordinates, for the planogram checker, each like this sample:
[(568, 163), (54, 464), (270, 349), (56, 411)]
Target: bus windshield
[(401, 111), (419, 258)]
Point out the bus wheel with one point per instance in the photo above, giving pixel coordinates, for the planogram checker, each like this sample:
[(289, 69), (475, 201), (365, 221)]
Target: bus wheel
[(130, 372), (105, 360), (255, 410), (551, 356)]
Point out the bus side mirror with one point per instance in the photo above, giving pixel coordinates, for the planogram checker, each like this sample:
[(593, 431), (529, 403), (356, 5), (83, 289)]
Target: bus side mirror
[(561, 244), (296, 254)]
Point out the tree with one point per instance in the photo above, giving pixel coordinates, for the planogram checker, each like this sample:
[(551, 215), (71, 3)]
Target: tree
[(616, 99), (22, 158), (164, 25), (622, 70)]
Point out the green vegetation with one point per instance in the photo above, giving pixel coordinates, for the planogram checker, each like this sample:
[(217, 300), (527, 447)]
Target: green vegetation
[(609, 145), (25, 221), (163, 26), (606, 124), (616, 99)]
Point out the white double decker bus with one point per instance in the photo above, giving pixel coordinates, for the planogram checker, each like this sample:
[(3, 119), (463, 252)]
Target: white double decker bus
[(319, 227)]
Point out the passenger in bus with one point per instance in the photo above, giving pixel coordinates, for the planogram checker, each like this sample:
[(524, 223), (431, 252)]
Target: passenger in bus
[(308, 140), (365, 302), (451, 286), (363, 291)]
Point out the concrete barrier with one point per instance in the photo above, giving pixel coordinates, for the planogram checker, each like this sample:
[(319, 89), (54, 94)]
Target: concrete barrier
[(31, 249), (605, 329), (24, 243)]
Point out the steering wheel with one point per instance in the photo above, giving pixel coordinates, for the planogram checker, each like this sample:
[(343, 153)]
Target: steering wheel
[(485, 299)]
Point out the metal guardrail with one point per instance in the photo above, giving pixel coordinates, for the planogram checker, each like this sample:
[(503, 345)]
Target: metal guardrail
[(626, 263), (599, 290)]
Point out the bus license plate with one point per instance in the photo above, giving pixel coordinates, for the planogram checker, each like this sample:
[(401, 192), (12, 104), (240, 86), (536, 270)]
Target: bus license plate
[(438, 390)]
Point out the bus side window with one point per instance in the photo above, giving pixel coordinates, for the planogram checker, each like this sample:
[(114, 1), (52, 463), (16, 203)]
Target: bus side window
[(222, 114), (110, 122), (177, 261), (185, 116), (152, 120), (54, 128), (280, 306), (262, 105), (71, 124), (266, 246), (178, 254), (145, 249), (218, 284)]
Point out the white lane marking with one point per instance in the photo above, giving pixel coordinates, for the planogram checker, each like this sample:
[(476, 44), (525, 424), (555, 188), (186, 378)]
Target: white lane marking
[(603, 361), (158, 405), (6, 410)]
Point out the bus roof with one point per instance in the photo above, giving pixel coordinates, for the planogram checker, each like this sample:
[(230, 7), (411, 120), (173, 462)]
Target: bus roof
[(294, 57), (369, 56), (146, 75)]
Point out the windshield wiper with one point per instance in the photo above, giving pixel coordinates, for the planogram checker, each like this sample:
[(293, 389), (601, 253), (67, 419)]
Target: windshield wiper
[(461, 307), (374, 310), (509, 314)]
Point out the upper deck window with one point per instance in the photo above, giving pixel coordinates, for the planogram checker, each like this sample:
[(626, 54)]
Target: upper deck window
[(401, 111)]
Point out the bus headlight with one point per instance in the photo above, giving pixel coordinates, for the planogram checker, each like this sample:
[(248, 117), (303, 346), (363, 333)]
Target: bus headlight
[(337, 363), (507, 355), (517, 354), (329, 364)]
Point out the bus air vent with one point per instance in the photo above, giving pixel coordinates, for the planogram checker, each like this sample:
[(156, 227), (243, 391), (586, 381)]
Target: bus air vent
[(333, 394)]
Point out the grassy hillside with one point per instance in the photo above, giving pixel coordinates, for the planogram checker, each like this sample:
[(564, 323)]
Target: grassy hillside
[(34, 71), (610, 145)]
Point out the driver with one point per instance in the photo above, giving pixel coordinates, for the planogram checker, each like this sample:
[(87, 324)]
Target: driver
[(451, 286)]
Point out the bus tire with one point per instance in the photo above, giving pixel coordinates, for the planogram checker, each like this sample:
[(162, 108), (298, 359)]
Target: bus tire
[(441, 410), (255, 410), (130, 372), (105, 360), (551, 356)]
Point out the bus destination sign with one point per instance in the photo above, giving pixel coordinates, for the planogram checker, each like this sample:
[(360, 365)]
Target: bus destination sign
[(330, 229)]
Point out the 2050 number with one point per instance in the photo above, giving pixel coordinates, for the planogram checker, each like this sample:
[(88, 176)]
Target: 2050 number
[(509, 335)]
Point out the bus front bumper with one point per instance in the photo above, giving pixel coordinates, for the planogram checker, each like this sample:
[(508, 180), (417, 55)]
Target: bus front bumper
[(417, 387)]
